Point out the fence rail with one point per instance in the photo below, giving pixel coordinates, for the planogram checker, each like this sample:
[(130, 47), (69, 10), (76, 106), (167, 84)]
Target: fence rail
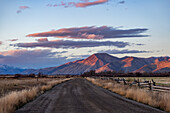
[(150, 85)]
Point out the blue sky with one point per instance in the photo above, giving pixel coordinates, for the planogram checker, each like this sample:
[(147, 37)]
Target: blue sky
[(20, 18)]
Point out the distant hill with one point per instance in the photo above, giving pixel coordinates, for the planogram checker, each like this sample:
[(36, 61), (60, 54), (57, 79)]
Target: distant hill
[(5, 69), (105, 62)]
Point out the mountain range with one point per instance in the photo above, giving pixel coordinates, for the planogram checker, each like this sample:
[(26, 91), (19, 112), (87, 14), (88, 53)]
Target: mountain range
[(100, 62), (5, 69)]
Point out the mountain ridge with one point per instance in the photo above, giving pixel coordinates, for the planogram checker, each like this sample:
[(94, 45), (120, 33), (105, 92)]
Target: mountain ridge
[(6, 69), (105, 62)]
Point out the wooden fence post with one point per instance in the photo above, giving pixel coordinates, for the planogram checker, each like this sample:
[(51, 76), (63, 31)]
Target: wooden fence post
[(138, 82), (154, 83), (150, 85), (124, 81)]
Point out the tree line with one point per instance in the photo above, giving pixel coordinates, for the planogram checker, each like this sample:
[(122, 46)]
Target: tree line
[(124, 74)]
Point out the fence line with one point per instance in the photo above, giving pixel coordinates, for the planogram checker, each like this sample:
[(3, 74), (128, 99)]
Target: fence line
[(150, 85)]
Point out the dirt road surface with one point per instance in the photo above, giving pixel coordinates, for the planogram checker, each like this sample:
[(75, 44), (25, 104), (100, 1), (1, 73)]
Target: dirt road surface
[(81, 96)]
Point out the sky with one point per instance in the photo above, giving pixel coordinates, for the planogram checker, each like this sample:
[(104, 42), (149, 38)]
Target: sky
[(47, 33)]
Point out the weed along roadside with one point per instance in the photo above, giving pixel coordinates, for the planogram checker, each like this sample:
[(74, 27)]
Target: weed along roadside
[(159, 100), (10, 102)]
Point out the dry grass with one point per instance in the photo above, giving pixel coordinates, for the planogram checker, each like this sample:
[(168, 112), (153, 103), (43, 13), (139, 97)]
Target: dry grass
[(158, 100), (10, 102), (8, 85)]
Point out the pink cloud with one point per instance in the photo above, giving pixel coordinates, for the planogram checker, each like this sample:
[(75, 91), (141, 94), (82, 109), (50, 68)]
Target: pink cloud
[(10, 52), (12, 40), (42, 39), (23, 52), (87, 3), (84, 3), (24, 7), (21, 8), (32, 58), (92, 32)]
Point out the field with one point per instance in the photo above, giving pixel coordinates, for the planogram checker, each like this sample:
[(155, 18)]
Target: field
[(8, 85), (16, 92)]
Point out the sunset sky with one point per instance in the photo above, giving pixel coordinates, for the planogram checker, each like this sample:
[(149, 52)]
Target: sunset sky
[(46, 33)]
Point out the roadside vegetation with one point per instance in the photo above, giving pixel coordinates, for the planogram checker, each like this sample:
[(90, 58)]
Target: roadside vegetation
[(159, 100), (8, 85), (17, 92)]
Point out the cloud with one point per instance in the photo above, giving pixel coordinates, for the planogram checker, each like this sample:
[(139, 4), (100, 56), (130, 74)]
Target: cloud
[(42, 39), (121, 2), (32, 58), (61, 52), (25, 52), (125, 51), (21, 8), (19, 11), (82, 4), (87, 3), (139, 44), (64, 4), (92, 32), (79, 56), (13, 40), (24, 7), (72, 44)]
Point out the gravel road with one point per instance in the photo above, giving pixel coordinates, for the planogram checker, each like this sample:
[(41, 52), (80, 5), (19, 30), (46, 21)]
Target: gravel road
[(81, 96)]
